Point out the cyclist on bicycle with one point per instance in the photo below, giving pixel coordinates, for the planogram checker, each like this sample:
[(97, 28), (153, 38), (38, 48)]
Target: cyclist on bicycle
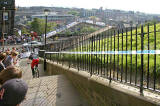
[(34, 63)]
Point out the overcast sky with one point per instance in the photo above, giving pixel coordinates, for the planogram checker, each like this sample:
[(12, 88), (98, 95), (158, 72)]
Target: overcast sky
[(147, 6)]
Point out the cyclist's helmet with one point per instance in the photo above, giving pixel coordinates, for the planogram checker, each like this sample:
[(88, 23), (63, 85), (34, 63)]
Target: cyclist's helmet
[(35, 56), (31, 56)]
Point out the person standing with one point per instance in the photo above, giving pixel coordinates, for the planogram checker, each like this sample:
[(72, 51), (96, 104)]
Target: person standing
[(2, 57), (13, 92), (11, 59), (10, 73)]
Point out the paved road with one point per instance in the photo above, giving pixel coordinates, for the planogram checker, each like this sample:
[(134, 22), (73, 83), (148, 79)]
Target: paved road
[(49, 90)]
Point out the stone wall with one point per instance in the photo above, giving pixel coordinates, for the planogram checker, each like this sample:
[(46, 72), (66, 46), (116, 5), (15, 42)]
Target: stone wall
[(98, 91)]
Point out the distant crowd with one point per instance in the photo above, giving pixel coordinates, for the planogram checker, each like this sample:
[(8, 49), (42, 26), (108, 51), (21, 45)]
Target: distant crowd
[(9, 40)]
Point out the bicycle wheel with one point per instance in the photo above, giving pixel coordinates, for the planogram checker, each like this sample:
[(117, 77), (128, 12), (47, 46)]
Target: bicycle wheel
[(36, 72)]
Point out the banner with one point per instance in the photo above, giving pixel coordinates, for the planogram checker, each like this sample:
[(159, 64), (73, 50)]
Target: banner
[(110, 52), (20, 32), (5, 16)]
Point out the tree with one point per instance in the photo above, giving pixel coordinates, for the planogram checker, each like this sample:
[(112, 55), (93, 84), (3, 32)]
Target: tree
[(68, 32), (35, 25), (93, 18), (38, 25), (24, 31), (88, 29)]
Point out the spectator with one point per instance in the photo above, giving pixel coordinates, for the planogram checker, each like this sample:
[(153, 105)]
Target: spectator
[(13, 49), (10, 60), (7, 52), (10, 73), (2, 57), (13, 92)]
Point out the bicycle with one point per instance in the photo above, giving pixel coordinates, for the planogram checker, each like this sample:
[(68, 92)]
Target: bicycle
[(36, 72)]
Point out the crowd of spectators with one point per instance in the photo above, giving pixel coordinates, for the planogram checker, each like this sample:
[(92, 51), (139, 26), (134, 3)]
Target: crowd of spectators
[(12, 88), (13, 39)]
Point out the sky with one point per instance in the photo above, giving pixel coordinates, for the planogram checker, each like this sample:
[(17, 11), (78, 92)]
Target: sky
[(147, 6)]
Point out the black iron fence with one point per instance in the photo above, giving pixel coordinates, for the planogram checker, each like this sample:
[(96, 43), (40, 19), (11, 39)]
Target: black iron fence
[(128, 55)]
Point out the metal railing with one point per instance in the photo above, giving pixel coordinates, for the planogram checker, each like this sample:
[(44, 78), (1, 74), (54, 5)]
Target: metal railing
[(126, 55)]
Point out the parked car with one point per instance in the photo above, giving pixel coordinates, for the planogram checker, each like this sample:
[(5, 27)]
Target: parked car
[(32, 43)]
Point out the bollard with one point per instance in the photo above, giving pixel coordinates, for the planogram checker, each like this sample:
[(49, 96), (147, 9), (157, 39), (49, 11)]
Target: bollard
[(45, 64), (43, 55)]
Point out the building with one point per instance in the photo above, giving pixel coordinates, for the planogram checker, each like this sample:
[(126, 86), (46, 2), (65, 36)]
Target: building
[(87, 13), (7, 13), (56, 17)]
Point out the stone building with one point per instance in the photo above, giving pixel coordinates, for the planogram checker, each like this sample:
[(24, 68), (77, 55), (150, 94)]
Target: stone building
[(7, 13)]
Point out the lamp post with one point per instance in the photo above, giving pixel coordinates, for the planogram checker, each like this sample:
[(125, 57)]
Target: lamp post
[(3, 26), (46, 12)]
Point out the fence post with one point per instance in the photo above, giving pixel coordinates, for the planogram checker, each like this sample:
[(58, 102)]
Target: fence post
[(155, 73), (114, 54), (99, 46), (148, 58), (78, 56), (107, 53), (102, 44), (110, 73), (131, 59), (45, 64), (141, 83), (92, 57), (118, 58), (126, 73), (96, 54), (104, 62), (122, 59), (136, 56)]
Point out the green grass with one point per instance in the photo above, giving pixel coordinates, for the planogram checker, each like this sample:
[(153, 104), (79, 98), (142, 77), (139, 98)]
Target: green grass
[(107, 43)]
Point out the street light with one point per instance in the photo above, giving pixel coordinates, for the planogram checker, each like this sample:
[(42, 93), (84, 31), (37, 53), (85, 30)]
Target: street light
[(3, 25), (46, 12)]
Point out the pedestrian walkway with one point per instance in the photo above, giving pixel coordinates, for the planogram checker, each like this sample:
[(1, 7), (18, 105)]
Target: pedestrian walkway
[(49, 90)]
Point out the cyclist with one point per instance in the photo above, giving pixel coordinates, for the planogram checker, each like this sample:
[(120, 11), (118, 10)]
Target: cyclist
[(34, 63)]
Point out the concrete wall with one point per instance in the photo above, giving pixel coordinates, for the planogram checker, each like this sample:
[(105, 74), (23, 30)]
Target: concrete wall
[(98, 91)]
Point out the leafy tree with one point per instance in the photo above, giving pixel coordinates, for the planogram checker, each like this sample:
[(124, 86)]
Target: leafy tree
[(93, 18), (35, 25), (38, 25), (24, 31), (68, 33), (88, 29)]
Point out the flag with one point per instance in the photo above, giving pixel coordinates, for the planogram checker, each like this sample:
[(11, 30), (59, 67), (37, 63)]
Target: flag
[(20, 32)]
